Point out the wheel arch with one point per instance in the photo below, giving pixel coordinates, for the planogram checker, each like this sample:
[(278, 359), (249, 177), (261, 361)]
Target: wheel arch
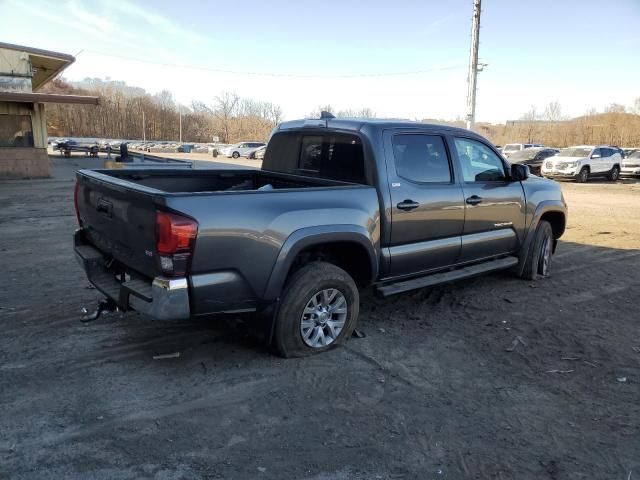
[(347, 246), (551, 211)]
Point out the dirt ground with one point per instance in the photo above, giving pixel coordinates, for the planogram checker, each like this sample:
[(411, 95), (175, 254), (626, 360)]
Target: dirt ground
[(488, 378)]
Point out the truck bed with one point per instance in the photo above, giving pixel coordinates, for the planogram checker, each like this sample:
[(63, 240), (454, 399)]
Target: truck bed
[(118, 208), (211, 181)]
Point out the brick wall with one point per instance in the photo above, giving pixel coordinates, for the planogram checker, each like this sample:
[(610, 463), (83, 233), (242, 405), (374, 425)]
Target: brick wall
[(24, 163)]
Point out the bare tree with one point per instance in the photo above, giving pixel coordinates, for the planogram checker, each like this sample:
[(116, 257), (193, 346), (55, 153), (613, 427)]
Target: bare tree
[(615, 108), (553, 111)]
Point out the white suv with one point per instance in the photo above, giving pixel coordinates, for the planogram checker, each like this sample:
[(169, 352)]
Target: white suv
[(583, 162), (240, 149)]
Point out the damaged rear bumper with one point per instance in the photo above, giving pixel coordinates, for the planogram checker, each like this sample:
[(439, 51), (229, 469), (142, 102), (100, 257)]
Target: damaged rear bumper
[(161, 298)]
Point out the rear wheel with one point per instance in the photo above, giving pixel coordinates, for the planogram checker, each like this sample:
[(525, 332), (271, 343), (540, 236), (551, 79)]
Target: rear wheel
[(318, 311), (583, 176), (614, 174), (539, 257)]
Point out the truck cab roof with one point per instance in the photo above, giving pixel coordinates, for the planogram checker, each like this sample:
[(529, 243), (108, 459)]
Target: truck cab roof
[(359, 124)]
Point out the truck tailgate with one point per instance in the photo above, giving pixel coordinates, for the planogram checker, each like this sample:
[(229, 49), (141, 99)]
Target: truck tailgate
[(119, 218)]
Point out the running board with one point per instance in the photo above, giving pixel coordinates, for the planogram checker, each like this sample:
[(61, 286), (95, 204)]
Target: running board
[(444, 277)]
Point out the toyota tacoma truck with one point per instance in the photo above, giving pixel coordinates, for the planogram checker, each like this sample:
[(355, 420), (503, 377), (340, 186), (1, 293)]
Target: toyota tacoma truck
[(338, 206)]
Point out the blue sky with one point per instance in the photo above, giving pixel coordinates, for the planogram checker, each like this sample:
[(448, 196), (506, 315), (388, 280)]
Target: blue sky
[(350, 53)]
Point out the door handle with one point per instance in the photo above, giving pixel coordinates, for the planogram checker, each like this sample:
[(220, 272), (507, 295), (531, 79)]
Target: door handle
[(474, 200), (408, 205)]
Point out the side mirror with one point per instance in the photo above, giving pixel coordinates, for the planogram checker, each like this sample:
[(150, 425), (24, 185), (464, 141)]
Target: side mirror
[(519, 172), (596, 155)]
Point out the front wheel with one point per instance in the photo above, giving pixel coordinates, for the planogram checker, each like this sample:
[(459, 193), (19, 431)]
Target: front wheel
[(539, 257), (583, 176), (614, 174), (235, 154), (318, 311)]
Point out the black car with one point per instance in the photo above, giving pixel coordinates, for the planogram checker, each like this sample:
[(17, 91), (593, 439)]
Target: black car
[(533, 157)]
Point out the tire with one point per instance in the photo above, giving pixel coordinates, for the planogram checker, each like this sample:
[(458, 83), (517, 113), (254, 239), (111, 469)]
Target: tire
[(298, 323), (583, 176), (614, 175), (235, 155), (539, 257)]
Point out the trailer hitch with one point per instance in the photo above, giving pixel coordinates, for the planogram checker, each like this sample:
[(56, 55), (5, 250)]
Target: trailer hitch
[(106, 305)]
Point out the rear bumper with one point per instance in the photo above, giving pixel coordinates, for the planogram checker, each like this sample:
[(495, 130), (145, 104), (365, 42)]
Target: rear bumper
[(162, 298)]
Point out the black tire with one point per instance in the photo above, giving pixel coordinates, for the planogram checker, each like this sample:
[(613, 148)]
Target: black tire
[(235, 155), (614, 174), (541, 246), (299, 289), (583, 176)]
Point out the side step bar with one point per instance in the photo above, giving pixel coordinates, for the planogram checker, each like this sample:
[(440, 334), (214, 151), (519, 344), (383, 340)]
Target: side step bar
[(444, 277)]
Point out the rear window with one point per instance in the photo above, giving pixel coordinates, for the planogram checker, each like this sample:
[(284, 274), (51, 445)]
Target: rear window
[(421, 158), (335, 156)]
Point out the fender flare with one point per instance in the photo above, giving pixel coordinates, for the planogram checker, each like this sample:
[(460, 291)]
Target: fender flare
[(310, 236), (542, 208)]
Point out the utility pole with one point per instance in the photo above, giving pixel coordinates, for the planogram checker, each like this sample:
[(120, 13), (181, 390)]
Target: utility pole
[(144, 129), (180, 112), (473, 65)]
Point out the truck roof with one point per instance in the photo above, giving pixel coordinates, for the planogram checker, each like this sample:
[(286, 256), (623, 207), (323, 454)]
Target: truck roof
[(357, 124)]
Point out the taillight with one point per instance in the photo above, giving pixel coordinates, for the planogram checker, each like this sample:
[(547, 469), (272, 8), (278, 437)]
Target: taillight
[(75, 202), (175, 236)]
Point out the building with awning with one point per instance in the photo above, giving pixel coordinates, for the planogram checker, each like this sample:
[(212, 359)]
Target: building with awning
[(23, 123)]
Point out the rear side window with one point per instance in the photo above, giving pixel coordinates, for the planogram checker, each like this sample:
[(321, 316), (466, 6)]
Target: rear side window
[(421, 158)]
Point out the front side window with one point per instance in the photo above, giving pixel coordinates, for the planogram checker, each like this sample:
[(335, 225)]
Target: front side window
[(421, 158), (16, 131), (479, 163)]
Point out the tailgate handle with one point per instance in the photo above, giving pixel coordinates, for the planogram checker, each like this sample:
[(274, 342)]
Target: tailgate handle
[(105, 206)]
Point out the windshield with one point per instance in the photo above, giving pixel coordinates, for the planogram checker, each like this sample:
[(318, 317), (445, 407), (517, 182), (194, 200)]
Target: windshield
[(526, 154), (512, 147), (575, 152)]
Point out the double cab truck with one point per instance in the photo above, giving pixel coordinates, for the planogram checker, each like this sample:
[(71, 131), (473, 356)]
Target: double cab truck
[(338, 206)]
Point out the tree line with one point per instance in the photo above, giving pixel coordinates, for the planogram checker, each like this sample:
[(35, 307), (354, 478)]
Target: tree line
[(120, 113), (616, 125), (231, 118)]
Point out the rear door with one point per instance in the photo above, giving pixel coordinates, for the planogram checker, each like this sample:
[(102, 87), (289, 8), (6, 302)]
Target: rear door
[(494, 205), (607, 159), (427, 209)]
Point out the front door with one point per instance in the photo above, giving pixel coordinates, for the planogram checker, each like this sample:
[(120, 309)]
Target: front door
[(427, 208), (494, 205)]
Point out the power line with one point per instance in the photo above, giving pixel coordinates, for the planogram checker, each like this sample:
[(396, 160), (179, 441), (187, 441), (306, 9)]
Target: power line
[(276, 74)]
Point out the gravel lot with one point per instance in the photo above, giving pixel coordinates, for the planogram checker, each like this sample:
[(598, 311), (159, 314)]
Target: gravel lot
[(440, 387)]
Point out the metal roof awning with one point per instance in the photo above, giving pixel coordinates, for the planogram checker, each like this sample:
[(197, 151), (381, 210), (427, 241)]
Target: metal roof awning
[(47, 98), (45, 63)]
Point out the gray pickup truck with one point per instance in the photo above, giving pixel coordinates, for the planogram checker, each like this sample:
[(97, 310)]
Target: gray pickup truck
[(339, 205)]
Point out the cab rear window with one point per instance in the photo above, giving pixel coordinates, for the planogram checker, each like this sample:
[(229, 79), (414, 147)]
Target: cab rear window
[(335, 156)]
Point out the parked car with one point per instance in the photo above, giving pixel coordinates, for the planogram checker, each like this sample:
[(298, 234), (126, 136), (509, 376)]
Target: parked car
[(511, 148), (533, 157), (240, 149), (631, 164), (260, 153), (253, 154), (629, 151), (584, 162), (338, 206)]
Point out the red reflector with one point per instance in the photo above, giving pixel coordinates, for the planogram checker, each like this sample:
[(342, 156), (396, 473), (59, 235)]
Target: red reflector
[(75, 202), (174, 233)]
